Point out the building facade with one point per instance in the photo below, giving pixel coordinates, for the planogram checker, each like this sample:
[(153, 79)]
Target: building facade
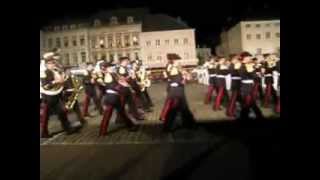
[(125, 32), (156, 45), (256, 37)]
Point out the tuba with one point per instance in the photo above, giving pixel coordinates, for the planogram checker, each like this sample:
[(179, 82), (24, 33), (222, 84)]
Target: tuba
[(75, 94), (56, 88)]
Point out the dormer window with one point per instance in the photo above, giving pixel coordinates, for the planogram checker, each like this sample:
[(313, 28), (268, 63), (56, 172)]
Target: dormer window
[(114, 20), (97, 22), (73, 26), (130, 20), (56, 28)]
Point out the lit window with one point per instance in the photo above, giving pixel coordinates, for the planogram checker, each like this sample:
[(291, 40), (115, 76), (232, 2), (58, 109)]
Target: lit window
[(185, 41), (136, 55), (93, 42), (159, 58), (268, 35), (278, 35), (257, 25), (118, 40), (248, 36), (258, 36), (248, 25), (176, 41), (148, 43), (101, 42), (157, 42), (135, 39), (268, 25)]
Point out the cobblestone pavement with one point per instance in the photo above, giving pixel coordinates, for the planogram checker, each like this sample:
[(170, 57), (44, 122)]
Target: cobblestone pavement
[(150, 130)]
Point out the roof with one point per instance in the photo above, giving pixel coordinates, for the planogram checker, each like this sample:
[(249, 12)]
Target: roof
[(161, 22)]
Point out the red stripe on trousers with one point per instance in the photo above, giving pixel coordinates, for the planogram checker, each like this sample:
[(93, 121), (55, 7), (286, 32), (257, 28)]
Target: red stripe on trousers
[(209, 94), (86, 105), (219, 98), (248, 100), (167, 106), (105, 120), (268, 95), (278, 105), (255, 90)]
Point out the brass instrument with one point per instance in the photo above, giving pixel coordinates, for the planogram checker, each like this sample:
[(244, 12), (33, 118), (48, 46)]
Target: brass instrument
[(144, 80), (75, 94), (57, 87)]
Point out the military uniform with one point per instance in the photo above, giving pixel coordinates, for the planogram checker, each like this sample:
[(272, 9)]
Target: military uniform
[(247, 73), (126, 92), (211, 66), (222, 72), (52, 103), (235, 87), (277, 70), (90, 93), (141, 76), (67, 92), (257, 89), (269, 67), (176, 100), (111, 100)]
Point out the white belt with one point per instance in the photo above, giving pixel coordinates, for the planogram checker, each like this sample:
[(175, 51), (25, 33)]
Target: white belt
[(248, 81), (110, 91), (174, 84), (268, 75), (212, 75), (69, 90), (236, 78), (221, 76)]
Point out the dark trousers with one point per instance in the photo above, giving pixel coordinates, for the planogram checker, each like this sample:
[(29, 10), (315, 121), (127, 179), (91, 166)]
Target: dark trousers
[(211, 89), (111, 102), (90, 93), (248, 102), (51, 105), (176, 103), (270, 93), (222, 92), (127, 97)]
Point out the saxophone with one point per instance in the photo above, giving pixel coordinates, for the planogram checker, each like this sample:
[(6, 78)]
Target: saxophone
[(75, 94)]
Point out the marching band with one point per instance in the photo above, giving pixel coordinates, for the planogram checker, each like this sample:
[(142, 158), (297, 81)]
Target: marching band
[(113, 86)]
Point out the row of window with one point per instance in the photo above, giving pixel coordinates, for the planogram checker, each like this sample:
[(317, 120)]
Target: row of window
[(100, 41), (66, 58), (97, 22), (167, 42), (267, 36), (265, 24), (66, 42), (160, 58), (111, 56)]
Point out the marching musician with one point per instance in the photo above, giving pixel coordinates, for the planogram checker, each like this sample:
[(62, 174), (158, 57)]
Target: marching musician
[(111, 100), (127, 90), (176, 100), (247, 73), (145, 83), (235, 84), (68, 93), (52, 85), (268, 69), (257, 89), (211, 66), (222, 72), (89, 82)]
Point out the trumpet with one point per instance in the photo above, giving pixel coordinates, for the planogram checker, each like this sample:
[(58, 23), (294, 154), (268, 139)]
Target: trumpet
[(74, 96)]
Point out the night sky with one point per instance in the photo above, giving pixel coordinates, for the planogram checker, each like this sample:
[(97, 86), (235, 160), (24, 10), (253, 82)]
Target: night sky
[(207, 18)]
